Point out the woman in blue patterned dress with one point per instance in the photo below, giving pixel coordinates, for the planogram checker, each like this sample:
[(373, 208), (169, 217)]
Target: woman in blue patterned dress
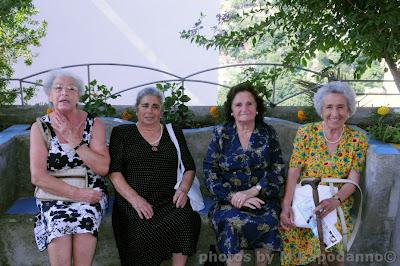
[(69, 229), (244, 173)]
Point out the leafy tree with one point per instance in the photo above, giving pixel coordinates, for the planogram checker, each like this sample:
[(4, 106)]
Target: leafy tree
[(18, 32), (360, 31)]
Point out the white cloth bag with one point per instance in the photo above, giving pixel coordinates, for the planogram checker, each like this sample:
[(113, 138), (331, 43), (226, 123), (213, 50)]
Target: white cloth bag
[(303, 198), (348, 242), (194, 194)]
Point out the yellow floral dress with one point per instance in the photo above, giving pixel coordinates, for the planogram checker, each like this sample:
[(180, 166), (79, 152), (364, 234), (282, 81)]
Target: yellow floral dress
[(311, 155)]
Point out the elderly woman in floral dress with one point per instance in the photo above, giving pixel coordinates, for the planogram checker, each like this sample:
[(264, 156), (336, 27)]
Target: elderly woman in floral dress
[(326, 149), (244, 173), (77, 139)]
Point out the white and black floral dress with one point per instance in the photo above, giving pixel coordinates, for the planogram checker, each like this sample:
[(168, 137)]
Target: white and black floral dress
[(59, 218)]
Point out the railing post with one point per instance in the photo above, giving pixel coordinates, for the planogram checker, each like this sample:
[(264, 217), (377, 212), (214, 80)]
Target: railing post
[(21, 91), (273, 86), (183, 85), (88, 76)]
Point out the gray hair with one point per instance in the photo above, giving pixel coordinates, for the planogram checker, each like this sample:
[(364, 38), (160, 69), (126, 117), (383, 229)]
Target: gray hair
[(62, 73), (150, 91), (338, 87)]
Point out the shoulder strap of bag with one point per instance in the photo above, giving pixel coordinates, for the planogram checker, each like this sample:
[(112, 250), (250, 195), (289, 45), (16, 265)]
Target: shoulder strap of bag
[(46, 137), (341, 214), (347, 243), (175, 141)]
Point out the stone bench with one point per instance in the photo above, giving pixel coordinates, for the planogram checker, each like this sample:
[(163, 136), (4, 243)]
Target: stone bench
[(381, 187), (18, 247)]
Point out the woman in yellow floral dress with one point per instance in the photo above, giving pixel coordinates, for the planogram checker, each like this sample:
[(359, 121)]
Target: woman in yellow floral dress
[(326, 149)]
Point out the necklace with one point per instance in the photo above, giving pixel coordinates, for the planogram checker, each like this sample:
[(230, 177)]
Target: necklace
[(153, 144), (159, 138), (326, 139)]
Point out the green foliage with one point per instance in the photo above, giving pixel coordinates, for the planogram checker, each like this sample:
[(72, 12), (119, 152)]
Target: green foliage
[(18, 33), (359, 32), (175, 109), (385, 128), (8, 96), (260, 81), (95, 97)]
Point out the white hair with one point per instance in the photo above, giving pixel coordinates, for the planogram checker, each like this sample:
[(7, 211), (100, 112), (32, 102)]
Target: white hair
[(338, 87), (62, 73)]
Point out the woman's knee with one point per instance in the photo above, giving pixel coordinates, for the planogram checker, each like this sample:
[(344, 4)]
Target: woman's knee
[(60, 250)]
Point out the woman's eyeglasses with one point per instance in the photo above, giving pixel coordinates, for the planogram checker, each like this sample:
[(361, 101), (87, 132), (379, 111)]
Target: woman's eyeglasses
[(58, 88)]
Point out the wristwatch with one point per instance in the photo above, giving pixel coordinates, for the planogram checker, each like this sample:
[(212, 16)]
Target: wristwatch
[(79, 145), (258, 187), (336, 196)]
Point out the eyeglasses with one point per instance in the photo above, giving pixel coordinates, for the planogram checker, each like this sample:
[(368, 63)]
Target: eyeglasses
[(58, 88)]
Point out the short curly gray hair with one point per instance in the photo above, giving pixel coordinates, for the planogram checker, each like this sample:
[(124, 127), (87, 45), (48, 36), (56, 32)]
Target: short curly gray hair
[(335, 87), (150, 91), (62, 73)]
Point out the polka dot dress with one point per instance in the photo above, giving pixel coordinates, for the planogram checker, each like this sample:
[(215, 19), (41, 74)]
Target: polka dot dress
[(152, 174)]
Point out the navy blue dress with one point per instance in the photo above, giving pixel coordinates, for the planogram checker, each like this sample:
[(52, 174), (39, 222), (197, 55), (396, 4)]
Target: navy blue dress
[(229, 168)]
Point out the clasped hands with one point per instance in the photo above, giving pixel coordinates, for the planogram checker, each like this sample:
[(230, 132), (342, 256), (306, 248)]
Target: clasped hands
[(322, 210), (246, 198)]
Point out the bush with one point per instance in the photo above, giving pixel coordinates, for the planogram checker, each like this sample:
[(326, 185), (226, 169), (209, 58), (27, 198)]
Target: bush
[(386, 127), (95, 97)]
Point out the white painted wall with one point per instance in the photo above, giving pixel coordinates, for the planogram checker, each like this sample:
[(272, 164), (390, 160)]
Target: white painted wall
[(125, 31)]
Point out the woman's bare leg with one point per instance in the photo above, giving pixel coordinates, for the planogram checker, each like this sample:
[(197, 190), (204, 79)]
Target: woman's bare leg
[(178, 259), (235, 259), (84, 247), (60, 251)]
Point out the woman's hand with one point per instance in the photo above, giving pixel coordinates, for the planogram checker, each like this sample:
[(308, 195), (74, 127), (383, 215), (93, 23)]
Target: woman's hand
[(142, 207), (287, 218), (72, 134), (253, 203), (326, 206), (90, 195), (240, 197), (180, 198)]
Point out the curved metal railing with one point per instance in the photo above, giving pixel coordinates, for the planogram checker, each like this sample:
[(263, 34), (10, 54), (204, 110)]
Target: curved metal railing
[(181, 79)]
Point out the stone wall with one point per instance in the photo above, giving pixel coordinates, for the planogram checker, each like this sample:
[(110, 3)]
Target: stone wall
[(17, 114)]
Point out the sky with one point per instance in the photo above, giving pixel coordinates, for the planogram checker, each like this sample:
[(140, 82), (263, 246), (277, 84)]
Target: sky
[(144, 33)]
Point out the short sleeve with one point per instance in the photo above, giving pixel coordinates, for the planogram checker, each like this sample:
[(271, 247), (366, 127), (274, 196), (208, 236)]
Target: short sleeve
[(299, 149), (360, 141), (116, 150)]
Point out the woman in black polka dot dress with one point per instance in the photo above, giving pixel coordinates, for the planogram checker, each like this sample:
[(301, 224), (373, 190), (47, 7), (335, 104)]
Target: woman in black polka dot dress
[(152, 221)]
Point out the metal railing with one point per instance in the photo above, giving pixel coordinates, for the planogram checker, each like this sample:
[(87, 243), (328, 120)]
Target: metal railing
[(187, 78)]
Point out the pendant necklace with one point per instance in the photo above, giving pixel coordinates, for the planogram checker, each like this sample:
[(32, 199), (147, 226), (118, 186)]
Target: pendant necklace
[(326, 139), (153, 144)]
